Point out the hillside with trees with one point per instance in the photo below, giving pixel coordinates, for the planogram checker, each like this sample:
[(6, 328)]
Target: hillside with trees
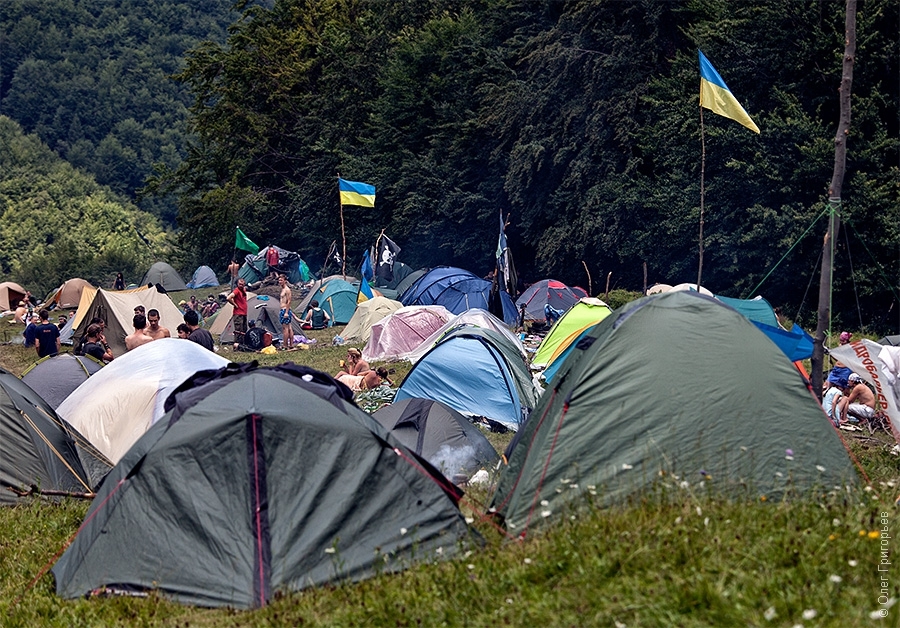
[(92, 80), (58, 223)]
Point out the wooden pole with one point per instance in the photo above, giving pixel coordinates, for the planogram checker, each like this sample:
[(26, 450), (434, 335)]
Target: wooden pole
[(590, 287), (606, 296), (823, 319), (343, 234), (702, 196), (645, 278)]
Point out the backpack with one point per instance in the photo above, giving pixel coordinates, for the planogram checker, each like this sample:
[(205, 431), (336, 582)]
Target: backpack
[(254, 338)]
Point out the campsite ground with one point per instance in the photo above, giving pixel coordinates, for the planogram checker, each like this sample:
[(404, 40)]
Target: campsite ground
[(671, 557)]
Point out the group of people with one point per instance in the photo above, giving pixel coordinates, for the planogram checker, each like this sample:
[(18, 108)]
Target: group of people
[(847, 398), (357, 375)]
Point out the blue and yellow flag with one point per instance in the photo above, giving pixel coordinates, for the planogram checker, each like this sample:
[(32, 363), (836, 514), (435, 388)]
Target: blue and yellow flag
[(355, 193), (715, 95), (365, 290)]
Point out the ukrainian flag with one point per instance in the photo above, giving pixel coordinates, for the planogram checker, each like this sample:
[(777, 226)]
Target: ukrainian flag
[(715, 95), (355, 193), (365, 290)]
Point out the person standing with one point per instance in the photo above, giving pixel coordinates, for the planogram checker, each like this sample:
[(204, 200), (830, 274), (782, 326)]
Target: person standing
[(46, 336), (95, 344), (272, 259), (285, 315), (238, 298), (154, 329), (119, 283), (199, 335), (233, 269), (30, 330), (138, 338)]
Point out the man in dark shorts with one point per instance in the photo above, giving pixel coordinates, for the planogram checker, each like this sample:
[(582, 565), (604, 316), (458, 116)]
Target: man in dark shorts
[(238, 298)]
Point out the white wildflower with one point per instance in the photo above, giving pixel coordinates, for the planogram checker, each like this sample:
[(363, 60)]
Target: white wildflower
[(546, 513), (835, 522), (706, 522), (527, 561), (470, 566), (852, 563), (699, 511), (779, 474), (329, 550), (677, 520), (403, 531), (626, 466), (684, 484), (820, 468), (810, 613), (544, 503), (470, 520), (835, 578), (770, 613)]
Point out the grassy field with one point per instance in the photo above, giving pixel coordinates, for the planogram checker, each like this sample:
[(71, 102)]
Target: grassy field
[(673, 560)]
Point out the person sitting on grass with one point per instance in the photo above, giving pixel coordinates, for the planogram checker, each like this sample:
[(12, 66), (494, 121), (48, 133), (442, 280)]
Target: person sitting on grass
[(858, 401), (367, 381), (355, 364), (316, 317)]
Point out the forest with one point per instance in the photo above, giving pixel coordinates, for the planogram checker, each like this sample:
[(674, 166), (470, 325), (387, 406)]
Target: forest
[(578, 121)]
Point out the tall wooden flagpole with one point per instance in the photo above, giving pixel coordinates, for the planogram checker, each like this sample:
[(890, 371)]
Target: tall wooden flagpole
[(343, 235), (702, 195)]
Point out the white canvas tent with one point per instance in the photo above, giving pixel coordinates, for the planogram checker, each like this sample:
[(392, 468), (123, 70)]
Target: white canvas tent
[(116, 405), (117, 309)]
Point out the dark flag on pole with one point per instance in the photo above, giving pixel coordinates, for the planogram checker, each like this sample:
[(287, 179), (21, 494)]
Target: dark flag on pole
[(387, 252), (506, 270)]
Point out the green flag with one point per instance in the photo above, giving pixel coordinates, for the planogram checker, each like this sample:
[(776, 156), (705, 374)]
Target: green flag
[(244, 243)]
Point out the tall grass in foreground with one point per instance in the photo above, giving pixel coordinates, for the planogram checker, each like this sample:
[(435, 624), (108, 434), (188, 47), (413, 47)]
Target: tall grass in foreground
[(696, 562)]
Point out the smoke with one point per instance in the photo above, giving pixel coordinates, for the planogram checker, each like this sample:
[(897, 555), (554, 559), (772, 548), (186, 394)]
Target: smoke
[(455, 460)]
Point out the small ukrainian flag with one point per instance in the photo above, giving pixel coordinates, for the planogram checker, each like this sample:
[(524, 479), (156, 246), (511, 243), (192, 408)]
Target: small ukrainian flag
[(356, 193)]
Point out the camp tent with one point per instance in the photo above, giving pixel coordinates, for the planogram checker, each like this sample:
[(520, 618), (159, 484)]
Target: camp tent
[(457, 290), (338, 298), (214, 506), (68, 295), (690, 287), (438, 433), (55, 377), (477, 372), (119, 403), (795, 342), (265, 311), (368, 313), (203, 277), (401, 272), (10, 295), (290, 263), (583, 315), (117, 309), (550, 292), (674, 383), (394, 336), (164, 275), (37, 448), (469, 318)]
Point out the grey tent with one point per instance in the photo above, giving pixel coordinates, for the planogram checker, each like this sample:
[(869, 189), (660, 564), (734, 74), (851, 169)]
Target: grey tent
[(55, 377), (265, 311), (675, 388), (259, 481), (203, 277), (438, 433), (37, 448), (164, 275)]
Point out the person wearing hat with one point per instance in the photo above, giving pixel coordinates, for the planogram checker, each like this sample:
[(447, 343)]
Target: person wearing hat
[(858, 400), (845, 337)]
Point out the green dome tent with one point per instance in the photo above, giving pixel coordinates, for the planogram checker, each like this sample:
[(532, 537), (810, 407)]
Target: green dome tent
[(581, 316), (675, 383), (38, 448), (259, 481)]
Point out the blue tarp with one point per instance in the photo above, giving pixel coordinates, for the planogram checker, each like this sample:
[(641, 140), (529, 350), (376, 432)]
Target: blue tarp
[(757, 310), (796, 344)]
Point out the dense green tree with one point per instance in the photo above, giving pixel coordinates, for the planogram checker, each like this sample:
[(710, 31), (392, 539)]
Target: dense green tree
[(57, 223)]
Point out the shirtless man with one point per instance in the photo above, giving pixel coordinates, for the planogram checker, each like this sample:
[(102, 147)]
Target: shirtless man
[(858, 400), (233, 269), (286, 315), (138, 338), (154, 329)]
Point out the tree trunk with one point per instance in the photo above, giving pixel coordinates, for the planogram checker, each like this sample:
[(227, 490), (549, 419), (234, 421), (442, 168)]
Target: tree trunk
[(834, 199)]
